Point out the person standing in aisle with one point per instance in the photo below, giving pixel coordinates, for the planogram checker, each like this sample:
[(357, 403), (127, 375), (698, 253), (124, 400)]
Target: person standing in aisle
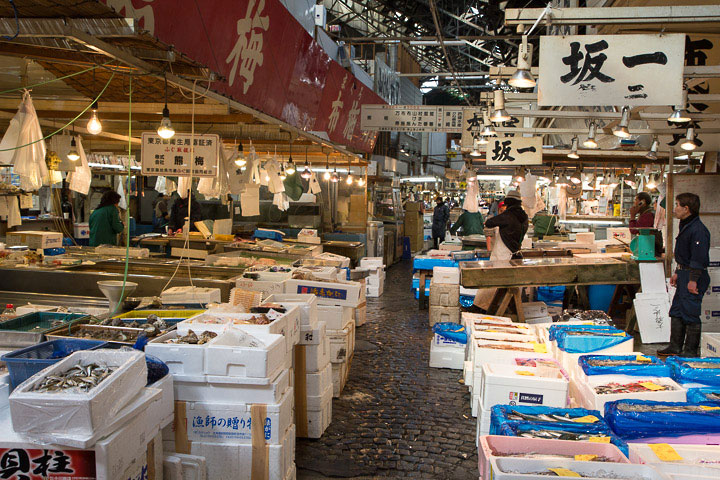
[(641, 213), (441, 215), (691, 278), (471, 223), (179, 213), (105, 224), (512, 225)]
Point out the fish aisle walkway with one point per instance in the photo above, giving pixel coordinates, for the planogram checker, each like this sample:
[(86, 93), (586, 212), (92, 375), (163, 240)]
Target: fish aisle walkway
[(397, 417)]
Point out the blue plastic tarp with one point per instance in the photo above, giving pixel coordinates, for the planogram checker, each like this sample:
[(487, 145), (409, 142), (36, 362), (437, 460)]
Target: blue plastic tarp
[(635, 419), (466, 301), (590, 340), (427, 263), (695, 370), (555, 329), (701, 395), (550, 294), (262, 233), (654, 367), (547, 416), (451, 331)]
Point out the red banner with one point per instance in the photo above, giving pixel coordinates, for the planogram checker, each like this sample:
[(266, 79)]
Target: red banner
[(267, 59), (36, 464)]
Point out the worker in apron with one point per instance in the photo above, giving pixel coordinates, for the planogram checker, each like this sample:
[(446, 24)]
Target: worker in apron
[(505, 233), (691, 279)]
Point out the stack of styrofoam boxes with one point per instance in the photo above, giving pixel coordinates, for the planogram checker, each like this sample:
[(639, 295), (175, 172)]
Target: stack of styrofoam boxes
[(234, 402), (114, 429), (445, 295), (710, 345), (375, 283), (536, 312), (188, 294), (711, 300), (340, 322), (591, 399), (311, 365), (511, 384), (697, 462), (263, 280), (447, 353)]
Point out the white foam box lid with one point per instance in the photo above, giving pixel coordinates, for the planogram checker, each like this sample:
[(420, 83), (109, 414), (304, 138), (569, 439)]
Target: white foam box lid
[(267, 287), (692, 455), (206, 321), (443, 357), (286, 324), (322, 271), (504, 337), (268, 276), (181, 358), (446, 275), (335, 317), (505, 384), (471, 318), (340, 347), (230, 390), (190, 294), (710, 345), (595, 401), (317, 383), (317, 356), (79, 413), (513, 328), (508, 468), (372, 262), (233, 461), (505, 352), (307, 303), (312, 336), (329, 293), (261, 354), (231, 423)]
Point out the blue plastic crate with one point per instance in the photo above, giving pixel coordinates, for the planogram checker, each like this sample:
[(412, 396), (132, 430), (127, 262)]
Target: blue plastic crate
[(24, 363)]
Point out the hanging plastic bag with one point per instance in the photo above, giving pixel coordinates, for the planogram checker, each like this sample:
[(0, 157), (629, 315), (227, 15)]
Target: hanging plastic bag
[(160, 184), (121, 191), (29, 161), (80, 179), (10, 139), (314, 184)]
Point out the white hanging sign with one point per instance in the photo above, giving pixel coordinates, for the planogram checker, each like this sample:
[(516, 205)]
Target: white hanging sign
[(411, 118), (591, 70), (180, 155), (503, 150)]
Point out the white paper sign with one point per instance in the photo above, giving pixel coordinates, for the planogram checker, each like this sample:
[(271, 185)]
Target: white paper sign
[(588, 70), (506, 151), (411, 118), (653, 316), (172, 157)]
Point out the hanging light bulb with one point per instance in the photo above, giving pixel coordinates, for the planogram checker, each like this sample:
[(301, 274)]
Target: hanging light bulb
[(334, 177), (73, 154), (488, 130), (94, 126), (499, 115), (522, 78), (290, 166), (239, 156), (590, 141), (576, 177), (680, 114), (306, 173), (166, 130), (622, 129), (476, 147), (689, 143), (574, 149), (613, 180), (519, 175), (283, 174), (562, 179), (652, 154), (483, 140), (326, 175), (361, 179), (651, 182)]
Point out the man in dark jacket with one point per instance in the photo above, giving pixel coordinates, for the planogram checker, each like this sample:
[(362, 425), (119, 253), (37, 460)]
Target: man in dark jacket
[(513, 222), (179, 213), (642, 214), (691, 279), (441, 215)]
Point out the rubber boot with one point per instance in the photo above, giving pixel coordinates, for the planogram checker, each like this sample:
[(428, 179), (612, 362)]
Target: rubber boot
[(677, 338), (692, 340)]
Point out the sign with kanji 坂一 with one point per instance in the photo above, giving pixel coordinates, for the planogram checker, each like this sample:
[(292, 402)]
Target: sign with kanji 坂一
[(514, 151), (591, 70), (182, 155)]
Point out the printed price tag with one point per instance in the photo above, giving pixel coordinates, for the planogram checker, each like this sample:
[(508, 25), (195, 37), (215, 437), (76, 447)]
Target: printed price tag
[(652, 386), (564, 472), (585, 458), (539, 347), (586, 419), (599, 439), (640, 358), (665, 452)]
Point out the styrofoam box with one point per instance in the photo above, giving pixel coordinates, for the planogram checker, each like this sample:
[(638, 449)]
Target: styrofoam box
[(230, 390), (204, 322), (710, 345), (269, 276), (184, 467), (340, 347), (444, 295), (510, 328), (164, 409), (534, 309), (504, 352), (447, 356), (231, 423), (234, 461), (336, 317), (593, 401), (508, 384), (374, 292), (79, 413), (509, 468), (317, 356), (287, 325), (262, 355), (504, 337), (468, 373), (446, 275), (324, 272), (710, 313), (340, 376), (376, 280), (569, 361), (318, 419), (707, 456), (317, 383), (329, 293), (482, 424), (361, 315), (307, 303), (444, 314), (266, 287), (471, 319), (372, 262), (312, 336), (503, 446), (190, 294), (181, 358), (539, 320)]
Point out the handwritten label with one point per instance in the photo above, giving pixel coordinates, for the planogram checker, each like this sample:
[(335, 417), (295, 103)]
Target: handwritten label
[(665, 452)]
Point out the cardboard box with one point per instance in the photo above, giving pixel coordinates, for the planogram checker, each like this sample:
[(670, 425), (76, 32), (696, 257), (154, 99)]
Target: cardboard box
[(444, 295), (34, 240), (81, 230), (444, 314), (413, 207)]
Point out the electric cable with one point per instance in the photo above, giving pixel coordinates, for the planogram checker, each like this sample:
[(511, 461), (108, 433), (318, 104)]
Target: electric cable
[(17, 22), (28, 87)]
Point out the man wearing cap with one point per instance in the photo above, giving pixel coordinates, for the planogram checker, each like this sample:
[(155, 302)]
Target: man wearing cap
[(512, 225)]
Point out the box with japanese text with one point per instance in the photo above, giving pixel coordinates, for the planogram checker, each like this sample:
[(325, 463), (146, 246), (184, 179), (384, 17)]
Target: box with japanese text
[(328, 293)]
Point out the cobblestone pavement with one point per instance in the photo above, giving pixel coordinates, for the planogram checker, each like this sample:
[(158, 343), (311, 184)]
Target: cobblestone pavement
[(397, 417)]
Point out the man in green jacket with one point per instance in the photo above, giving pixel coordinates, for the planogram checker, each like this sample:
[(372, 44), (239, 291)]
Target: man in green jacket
[(105, 221), (471, 223)]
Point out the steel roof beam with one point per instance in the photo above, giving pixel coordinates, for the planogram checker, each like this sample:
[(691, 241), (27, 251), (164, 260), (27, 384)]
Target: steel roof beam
[(616, 15)]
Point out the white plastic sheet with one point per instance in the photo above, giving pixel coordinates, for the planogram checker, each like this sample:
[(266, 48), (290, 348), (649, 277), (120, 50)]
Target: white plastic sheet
[(314, 184), (10, 211), (80, 179), (121, 191), (250, 201), (29, 161)]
